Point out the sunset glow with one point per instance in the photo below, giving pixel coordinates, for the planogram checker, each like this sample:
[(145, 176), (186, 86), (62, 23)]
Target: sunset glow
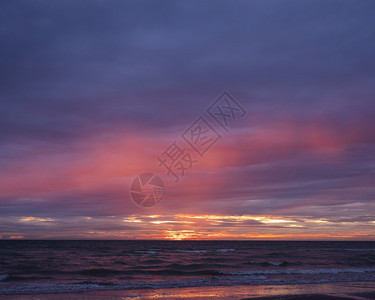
[(90, 100)]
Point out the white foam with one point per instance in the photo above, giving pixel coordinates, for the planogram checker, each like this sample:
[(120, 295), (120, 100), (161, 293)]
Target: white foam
[(215, 281), (3, 277), (191, 251), (302, 271), (146, 252), (275, 263), (360, 250)]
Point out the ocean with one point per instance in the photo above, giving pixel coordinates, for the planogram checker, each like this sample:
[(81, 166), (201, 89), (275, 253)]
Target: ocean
[(61, 266)]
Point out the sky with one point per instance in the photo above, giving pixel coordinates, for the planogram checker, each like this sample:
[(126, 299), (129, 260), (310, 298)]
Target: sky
[(94, 93)]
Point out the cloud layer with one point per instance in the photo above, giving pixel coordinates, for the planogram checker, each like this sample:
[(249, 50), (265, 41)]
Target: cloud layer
[(93, 92)]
